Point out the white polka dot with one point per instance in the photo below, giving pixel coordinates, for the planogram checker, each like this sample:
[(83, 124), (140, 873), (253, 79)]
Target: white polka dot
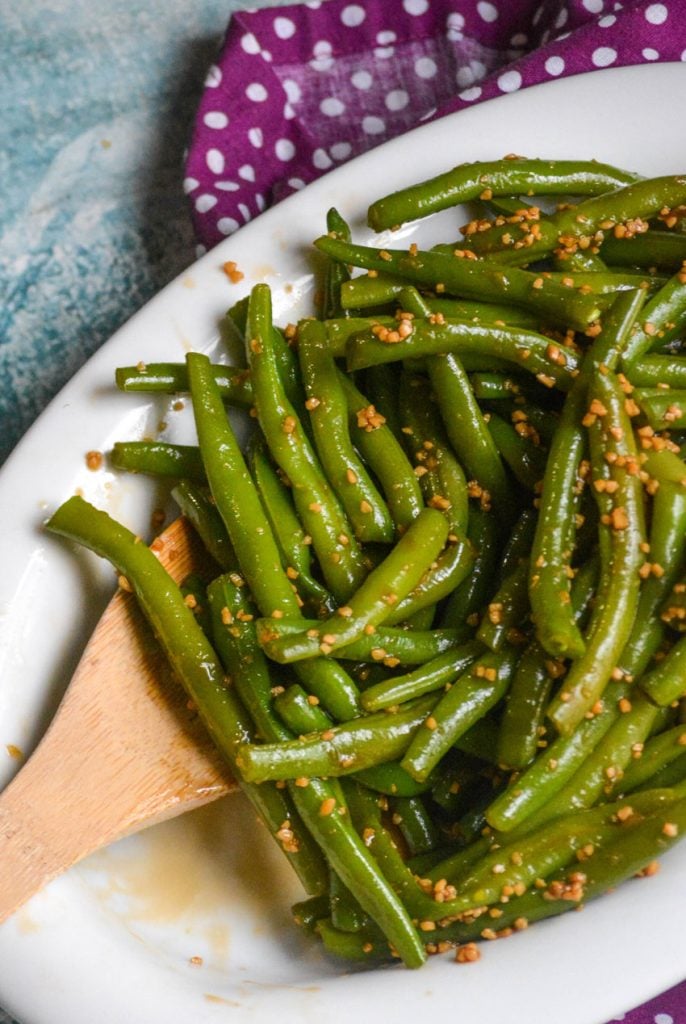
[(341, 150), (205, 202), (200, 250), (266, 55), (361, 80), (260, 202), (322, 62), (650, 54), (249, 43), (428, 114), (321, 47), (383, 52), (332, 106), (373, 125), (314, 5), (416, 7), (321, 159), (256, 92), (353, 15), (284, 28), (555, 65), (189, 184), (561, 19), (292, 90), (454, 26), (227, 225), (664, 1018), (297, 183), (470, 94), (246, 172), (215, 119), (256, 137), (284, 149), (385, 37), (213, 77), (607, 20), (244, 211), (397, 99), (288, 112), (425, 67), (488, 12), (520, 39), (683, 55), (656, 14), (464, 76), (227, 186), (214, 159), (509, 81), (604, 56), (593, 6)]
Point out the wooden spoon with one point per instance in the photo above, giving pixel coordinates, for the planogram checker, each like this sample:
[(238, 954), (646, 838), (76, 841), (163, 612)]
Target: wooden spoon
[(123, 751)]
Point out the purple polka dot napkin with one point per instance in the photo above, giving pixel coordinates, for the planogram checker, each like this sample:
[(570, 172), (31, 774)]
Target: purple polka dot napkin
[(298, 90)]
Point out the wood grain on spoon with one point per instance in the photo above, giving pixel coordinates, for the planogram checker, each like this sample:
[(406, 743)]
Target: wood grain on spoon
[(122, 752)]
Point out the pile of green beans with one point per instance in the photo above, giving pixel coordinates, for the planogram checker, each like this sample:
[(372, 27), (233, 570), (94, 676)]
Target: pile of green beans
[(443, 647)]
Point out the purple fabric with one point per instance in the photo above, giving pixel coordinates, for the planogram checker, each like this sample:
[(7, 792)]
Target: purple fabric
[(298, 90)]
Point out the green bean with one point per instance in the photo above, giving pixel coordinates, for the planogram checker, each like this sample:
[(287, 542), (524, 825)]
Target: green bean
[(306, 913), (468, 598), (635, 848), (387, 584), (554, 540), (583, 226), (159, 458), (365, 292), (526, 459), (381, 384), (346, 913), (622, 537), (192, 658), (507, 610), (468, 432), (427, 678), (467, 182), (193, 590), (522, 721), (172, 378), (663, 409), (319, 510), (659, 370), (518, 545), (623, 531), (402, 646), (474, 279), (341, 750), (662, 250), (328, 409), (667, 553), (418, 828), (469, 698), (391, 780), (530, 351), (336, 274), (197, 506), (233, 630), (234, 493), (289, 534), (665, 683), (490, 386), (662, 320), (658, 753), (384, 455), (296, 710)]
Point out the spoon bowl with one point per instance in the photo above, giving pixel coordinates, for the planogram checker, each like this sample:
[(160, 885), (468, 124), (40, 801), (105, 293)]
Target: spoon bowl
[(124, 750)]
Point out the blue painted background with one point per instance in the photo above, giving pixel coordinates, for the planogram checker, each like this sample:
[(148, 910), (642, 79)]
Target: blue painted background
[(96, 102)]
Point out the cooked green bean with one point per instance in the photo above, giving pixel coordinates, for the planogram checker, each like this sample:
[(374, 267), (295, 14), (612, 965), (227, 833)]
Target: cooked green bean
[(159, 458), (172, 378)]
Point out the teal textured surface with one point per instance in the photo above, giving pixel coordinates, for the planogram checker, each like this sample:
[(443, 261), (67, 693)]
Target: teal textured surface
[(97, 100)]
